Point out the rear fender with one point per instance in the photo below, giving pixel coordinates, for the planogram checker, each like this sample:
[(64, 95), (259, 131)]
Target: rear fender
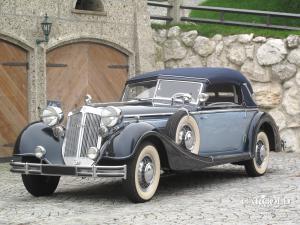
[(36, 134), (263, 121)]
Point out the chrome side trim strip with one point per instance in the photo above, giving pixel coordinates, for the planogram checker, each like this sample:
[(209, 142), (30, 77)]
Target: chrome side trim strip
[(193, 113), (81, 171), (225, 110), (147, 115)]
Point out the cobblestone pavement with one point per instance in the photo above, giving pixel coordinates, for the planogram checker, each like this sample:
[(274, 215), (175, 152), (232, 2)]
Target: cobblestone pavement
[(219, 195)]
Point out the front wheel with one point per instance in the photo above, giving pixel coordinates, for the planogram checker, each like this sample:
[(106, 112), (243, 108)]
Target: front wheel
[(259, 164), (38, 185), (143, 174)]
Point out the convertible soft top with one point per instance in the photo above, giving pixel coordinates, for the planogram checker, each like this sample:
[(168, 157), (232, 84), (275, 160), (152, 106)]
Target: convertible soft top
[(214, 75)]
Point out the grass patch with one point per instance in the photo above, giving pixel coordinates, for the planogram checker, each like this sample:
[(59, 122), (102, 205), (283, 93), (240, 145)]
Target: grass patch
[(209, 30)]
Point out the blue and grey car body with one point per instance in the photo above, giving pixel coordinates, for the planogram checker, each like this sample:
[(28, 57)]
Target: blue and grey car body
[(227, 132)]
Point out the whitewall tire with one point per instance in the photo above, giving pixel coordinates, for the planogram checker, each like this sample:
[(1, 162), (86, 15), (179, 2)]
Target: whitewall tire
[(259, 164), (143, 174)]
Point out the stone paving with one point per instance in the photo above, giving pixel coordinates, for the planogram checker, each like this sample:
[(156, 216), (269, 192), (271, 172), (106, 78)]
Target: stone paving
[(219, 195)]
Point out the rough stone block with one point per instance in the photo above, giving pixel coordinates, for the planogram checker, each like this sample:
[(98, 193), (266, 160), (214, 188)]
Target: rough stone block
[(272, 52), (203, 46), (268, 95)]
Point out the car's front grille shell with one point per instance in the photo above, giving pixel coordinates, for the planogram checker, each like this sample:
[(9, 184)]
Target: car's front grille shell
[(82, 133)]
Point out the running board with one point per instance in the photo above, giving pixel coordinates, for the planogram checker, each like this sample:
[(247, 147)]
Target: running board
[(232, 158)]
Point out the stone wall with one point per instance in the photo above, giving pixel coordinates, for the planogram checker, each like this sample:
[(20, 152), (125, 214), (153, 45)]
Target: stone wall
[(271, 65)]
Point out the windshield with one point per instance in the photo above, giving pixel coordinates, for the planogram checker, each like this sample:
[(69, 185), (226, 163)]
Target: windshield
[(167, 89), (162, 90), (142, 90)]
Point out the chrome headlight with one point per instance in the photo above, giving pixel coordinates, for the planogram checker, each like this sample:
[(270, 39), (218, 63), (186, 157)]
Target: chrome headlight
[(110, 116), (52, 116)]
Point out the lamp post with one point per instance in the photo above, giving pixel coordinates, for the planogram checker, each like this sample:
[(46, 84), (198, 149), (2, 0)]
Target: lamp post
[(46, 27)]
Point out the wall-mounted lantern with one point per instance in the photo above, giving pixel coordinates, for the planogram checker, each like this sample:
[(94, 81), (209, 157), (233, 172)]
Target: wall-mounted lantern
[(46, 27)]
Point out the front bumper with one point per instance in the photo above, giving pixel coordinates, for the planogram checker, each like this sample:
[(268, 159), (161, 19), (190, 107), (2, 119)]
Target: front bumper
[(62, 170)]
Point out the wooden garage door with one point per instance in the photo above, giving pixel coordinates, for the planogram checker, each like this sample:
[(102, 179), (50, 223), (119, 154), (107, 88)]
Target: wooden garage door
[(85, 68), (13, 95)]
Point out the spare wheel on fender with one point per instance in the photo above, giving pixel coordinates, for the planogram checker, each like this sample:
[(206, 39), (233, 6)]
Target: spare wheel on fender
[(183, 129)]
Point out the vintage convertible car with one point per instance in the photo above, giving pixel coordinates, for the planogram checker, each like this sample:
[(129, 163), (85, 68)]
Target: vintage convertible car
[(172, 120)]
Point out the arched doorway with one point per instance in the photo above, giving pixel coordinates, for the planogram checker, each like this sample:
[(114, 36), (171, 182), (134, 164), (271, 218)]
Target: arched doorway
[(13, 95), (77, 69)]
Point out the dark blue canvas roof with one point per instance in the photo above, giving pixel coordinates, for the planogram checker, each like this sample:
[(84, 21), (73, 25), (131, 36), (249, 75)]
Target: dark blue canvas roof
[(213, 74)]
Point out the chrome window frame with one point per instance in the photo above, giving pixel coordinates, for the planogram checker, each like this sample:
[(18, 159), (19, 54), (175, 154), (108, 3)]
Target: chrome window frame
[(170, 77), (140, 82), (185, 81)]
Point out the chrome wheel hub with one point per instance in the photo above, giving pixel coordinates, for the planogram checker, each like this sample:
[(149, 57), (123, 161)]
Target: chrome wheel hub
[(149, 173), (187, 137), (260, 152), (146, 172)]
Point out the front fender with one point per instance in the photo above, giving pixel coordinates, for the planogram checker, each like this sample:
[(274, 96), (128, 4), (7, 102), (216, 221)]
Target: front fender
[(36, 134), (123, 144)]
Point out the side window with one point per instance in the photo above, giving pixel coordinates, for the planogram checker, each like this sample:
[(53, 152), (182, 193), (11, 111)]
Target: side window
[(225, 93)]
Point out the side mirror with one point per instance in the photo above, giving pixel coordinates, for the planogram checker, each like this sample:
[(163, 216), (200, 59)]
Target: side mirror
[(184, 97), (88, 100), (203, 97)]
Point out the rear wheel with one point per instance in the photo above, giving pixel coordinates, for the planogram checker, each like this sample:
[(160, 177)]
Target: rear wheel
[(143, 174), (259, 164), (38, 185)]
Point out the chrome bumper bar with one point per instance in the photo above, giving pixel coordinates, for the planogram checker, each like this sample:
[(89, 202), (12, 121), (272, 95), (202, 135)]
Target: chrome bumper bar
[(62, 170)]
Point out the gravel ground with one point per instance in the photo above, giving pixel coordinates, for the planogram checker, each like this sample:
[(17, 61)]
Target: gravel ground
[(219, 195)]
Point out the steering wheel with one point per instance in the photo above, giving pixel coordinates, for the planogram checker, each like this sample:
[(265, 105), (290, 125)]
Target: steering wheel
[(185, 97)]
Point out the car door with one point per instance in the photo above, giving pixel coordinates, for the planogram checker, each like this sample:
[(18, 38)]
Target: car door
[(223, 131), (223, 122)]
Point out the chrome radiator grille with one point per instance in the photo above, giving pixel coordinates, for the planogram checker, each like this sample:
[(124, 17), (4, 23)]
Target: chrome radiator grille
[(81, 134), (72, 135), (90, 134)]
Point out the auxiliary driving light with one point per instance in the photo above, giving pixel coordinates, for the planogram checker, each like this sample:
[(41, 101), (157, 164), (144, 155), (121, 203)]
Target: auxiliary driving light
[(39, 151), (92, 153), (103, 131)]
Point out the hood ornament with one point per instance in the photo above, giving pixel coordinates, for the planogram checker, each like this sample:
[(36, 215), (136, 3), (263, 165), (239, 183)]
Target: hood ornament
[(88, 99)]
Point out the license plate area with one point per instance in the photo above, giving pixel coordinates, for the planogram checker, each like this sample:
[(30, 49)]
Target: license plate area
[(58, 170)]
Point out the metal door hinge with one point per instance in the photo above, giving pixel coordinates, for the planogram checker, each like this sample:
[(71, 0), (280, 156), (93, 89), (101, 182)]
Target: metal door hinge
[(115, 66), (15, 64), (56, 65)]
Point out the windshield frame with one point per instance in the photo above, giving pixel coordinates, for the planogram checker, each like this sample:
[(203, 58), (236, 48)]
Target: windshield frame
[(165, 98), (183, 81)]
